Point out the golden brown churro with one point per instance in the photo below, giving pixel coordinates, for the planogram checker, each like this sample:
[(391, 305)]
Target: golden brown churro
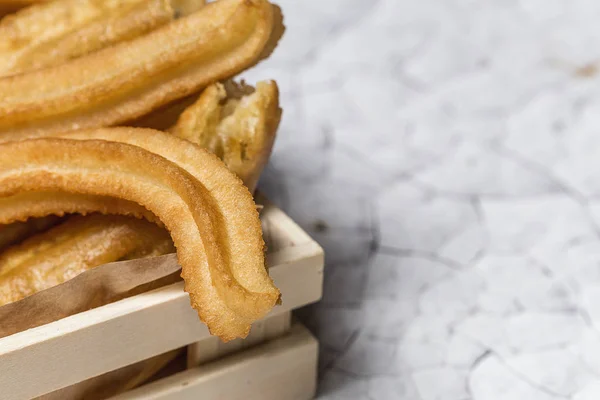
[(38, 204), (27, 36), (210, 214), (50, 34), (79, 244), (130, 79), (235, 122)]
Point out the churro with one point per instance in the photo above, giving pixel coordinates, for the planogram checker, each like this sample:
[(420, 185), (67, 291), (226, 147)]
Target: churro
[(52, 33), (210, 214), (125, 81), (81, 243)]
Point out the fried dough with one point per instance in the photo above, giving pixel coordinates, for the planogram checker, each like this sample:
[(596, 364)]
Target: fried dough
[(123, 82), (210, 214), (80, 243)]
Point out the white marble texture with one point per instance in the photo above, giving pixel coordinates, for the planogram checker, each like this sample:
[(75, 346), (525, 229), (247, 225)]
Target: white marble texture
[(446, 153)]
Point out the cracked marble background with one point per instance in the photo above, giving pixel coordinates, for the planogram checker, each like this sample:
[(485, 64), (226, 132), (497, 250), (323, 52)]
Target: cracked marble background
[(446, 154)]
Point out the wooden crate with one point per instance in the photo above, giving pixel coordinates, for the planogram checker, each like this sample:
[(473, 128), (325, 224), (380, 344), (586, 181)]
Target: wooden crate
[(74, 349)]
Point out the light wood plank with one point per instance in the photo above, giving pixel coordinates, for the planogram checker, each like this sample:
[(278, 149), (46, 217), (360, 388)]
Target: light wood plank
[(280, 325), (201, 352), (212, 348), (281, 229), (282, 369)]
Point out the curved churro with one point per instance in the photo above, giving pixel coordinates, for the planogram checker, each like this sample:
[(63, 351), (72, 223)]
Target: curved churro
[(235, 122), (209, 213), (130, 79), (79, 244), (46, 34), (49, 34), (25, 205)]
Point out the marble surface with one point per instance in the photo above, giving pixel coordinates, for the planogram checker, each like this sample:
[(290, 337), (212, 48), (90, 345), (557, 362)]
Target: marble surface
[(446, 154)]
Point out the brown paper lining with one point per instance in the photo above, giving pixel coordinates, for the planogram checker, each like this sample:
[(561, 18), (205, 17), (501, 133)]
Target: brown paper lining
[(96, 287)]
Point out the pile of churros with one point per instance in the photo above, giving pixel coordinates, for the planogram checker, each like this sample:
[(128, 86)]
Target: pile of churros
[(123, 135)]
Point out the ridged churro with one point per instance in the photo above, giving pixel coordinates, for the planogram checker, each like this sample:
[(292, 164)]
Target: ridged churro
[(44, 34), (52, 33), (80, 243), (210, 214), (132, 78), (22, 206)]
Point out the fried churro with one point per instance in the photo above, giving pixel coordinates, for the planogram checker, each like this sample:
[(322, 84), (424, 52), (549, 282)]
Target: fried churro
[(81, 243), (50, 34), (132, 78), (210, 214)]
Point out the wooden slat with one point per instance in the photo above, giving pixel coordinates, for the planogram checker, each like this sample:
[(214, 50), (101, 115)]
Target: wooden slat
[(212, 348), (280, 230), (119, 334), (282, 369), (277, 326)]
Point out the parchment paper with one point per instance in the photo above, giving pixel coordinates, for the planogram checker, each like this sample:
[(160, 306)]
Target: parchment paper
[(96, 287)]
